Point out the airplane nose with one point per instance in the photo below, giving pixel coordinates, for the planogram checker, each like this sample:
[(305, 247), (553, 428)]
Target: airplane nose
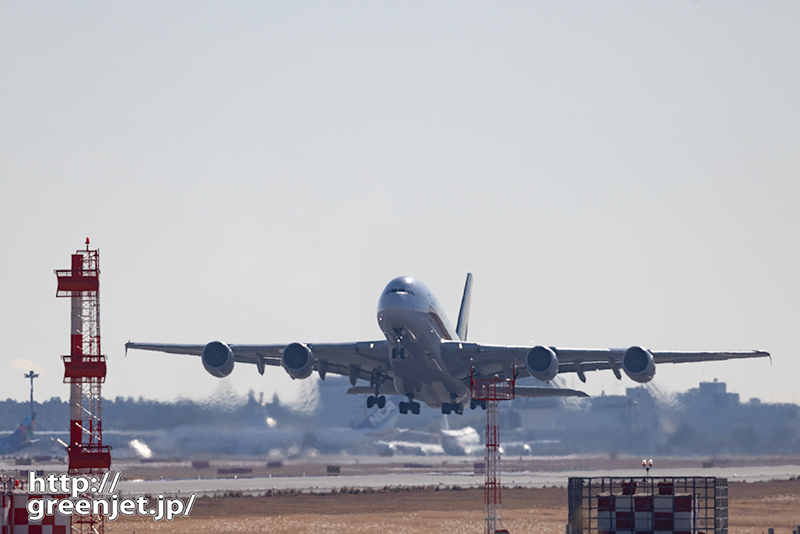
[(396, 301), (392, 310)]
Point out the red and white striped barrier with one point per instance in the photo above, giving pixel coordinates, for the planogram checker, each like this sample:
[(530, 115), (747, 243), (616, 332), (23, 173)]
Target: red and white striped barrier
[(5, 507), (658, 514), (14, 516)]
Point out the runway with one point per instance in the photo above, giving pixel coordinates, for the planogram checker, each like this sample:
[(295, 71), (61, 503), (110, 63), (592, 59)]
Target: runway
[(525, 479)]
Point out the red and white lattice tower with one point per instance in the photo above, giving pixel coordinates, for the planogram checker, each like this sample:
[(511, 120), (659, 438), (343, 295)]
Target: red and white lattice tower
[(84, 371), (492, 391)]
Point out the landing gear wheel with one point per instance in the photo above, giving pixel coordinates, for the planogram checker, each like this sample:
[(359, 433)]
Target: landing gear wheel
[(403, 407), (370, 401), (456, 407), (415, 408), (473, 404), (381, 402)]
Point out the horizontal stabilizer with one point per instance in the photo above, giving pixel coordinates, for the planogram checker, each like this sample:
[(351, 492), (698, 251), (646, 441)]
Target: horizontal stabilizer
[(534, 391)]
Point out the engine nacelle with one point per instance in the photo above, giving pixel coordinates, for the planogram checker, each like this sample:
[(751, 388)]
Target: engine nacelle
[(218, 359), (542, 363), (639, 365), (297, 360)]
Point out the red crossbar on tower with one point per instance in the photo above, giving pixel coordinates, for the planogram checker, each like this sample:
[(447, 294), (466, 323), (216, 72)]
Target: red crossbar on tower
[(84, 370), (491, 391)]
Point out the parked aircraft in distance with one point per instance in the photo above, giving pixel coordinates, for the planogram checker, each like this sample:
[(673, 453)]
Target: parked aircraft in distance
[(425, 359), (21, 438), (420, 443), (283, 438)]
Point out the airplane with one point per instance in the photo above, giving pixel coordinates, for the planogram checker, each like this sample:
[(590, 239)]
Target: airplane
[(424, 358), (21, 438), (445, 441), (285, 439)]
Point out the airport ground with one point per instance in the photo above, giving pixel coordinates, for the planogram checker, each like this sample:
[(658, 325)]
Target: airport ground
[(417, 494), (754, 507), (721, 466)]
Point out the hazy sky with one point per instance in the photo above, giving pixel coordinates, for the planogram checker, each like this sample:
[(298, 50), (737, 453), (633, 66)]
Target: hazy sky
[(613, 173)]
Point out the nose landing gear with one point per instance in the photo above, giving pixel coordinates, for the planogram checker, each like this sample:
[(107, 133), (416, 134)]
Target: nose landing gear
[(398, 352)]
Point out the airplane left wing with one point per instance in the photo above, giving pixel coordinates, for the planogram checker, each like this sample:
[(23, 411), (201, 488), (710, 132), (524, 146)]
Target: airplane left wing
[(544, 363), (356, 360)]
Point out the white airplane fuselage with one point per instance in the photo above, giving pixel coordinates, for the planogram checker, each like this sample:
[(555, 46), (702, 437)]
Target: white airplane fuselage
[(415, 324)]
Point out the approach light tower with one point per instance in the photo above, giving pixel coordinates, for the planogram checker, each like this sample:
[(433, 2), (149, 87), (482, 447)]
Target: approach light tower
[(84, 371), (492, 391)]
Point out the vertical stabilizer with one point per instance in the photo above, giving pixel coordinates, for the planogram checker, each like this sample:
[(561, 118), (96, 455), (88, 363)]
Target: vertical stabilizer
[(20, 439), (381, 419), (463, 313)]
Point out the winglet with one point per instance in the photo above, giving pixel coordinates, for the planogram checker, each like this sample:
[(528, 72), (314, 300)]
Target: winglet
[(463, 313)]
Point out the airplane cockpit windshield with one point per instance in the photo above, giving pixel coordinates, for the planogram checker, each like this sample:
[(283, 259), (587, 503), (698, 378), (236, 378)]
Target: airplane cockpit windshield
[(401, 290)]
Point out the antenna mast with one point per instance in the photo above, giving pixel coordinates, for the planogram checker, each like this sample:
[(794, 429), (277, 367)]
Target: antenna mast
[(492, 391), (84, 371)]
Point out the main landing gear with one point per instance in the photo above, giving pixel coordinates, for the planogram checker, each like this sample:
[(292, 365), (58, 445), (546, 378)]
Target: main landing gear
[(410, 406), (456, 407), (475, 403), (376, 400)]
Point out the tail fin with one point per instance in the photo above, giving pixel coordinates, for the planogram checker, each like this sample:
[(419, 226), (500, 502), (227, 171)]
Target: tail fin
[(382, 419), (463, 313), (22, 437)]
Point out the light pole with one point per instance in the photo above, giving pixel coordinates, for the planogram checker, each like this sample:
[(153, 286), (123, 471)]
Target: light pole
[(31, 375), (647, 465)]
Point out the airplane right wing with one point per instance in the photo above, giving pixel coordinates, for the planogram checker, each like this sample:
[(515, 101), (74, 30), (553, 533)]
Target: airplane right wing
[(537, 391)]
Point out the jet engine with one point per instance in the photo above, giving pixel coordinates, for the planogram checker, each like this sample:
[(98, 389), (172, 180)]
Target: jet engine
[(542, 363), (298, 360), (638, 364), (218, 359)]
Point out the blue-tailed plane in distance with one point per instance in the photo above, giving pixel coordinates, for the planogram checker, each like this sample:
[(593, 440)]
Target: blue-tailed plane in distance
[(423, 358), (21, 438)]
